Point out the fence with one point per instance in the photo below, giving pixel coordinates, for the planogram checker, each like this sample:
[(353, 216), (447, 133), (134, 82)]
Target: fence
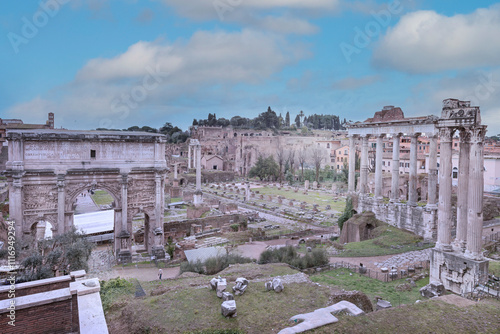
[(492, 237), (391, 275), (481, 287)]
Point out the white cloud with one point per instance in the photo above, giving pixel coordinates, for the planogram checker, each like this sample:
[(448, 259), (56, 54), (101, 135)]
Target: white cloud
[(352, 83), (425, 41), (159, 78), (281, 16)]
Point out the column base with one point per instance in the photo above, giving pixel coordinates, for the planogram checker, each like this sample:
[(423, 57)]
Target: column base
[(459, 245), (412, 203), (444, 247), (431, 206), (473, 255)]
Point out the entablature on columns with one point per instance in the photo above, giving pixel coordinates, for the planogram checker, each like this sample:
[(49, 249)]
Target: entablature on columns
[(425, 125)]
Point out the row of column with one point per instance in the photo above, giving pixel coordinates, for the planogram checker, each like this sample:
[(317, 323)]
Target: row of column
[(412, 186), (470, 195)]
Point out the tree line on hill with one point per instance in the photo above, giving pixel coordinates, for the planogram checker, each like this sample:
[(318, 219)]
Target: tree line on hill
[(271, 120), (174, 134)]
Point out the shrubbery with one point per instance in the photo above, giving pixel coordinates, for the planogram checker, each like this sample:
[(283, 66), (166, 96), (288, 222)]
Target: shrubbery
[(289, 255), (112, 288), (213, 265)]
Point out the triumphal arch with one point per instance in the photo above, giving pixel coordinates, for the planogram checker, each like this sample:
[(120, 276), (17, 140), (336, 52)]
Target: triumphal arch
[(48, 169)]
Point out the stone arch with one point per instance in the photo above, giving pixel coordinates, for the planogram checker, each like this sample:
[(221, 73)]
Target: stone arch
[(71, 196)]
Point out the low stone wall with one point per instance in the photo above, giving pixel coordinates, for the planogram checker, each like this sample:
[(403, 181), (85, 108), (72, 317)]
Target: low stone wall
[(182, 228), (356, 297), (419, 220)]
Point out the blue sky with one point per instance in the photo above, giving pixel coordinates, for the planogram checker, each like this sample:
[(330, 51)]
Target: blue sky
[(115, 64)]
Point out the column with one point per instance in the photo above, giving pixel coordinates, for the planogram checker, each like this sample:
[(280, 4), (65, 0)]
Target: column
[(189, 157), (198, 167), (433, 173), (124, 203), (412, 195), (158, 199), (352, 166), (61, 228), (378, 167), (15, 203), (363, 179), (463, 186), (395, 168), (445, 187), (475, 194), (175, 171), (247, 191)]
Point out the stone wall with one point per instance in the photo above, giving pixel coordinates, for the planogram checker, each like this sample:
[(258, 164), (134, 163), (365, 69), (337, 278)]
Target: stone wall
[(180, 229), (419, 220)]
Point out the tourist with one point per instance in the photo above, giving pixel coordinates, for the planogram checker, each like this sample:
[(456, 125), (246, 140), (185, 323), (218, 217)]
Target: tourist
[(160, 272)]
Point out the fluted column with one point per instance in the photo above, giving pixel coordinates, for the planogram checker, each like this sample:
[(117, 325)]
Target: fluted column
[(445, 187), (395, 168), (475, 194), (352, 165), (433, 174), (175, 170), (16, 202), (378, 167), (189, 157), (412, 195), (463, 186), (363, 179), (124, 202), (198, 167), (60, 204)]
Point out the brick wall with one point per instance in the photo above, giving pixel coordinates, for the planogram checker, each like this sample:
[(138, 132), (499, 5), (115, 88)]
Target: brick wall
[(22, 291), (50, 319)]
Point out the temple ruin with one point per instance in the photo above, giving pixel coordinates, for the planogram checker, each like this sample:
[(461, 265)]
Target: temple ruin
[(458, 263)]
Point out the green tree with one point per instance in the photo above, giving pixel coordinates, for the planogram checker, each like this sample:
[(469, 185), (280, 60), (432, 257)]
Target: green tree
[(65, 252), (297, 121), (264, 169), (347, 214), (287, 119)]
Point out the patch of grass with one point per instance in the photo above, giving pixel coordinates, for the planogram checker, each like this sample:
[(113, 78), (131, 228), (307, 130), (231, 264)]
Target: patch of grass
[(387, 240), (494, 268), (432, 316), (101, 197), (213, 265), (346, 279), (115, 291)]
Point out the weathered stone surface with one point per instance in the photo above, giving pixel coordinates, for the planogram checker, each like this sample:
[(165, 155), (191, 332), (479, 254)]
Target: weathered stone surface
[(320, 317), (228, 308), (278, 285), (383, 304), (269, 286), (227, 296), (241, 286), (432, 289)]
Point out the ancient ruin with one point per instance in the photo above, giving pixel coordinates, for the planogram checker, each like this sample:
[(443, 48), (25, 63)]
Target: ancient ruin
[(459, 264), (48, 169)]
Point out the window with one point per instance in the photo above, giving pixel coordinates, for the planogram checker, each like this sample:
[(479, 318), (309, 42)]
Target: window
[(214, 167), (92, 154), (383, 163), (338, 166), (345, 152), (328, 145), (388, 163), (455, 173)]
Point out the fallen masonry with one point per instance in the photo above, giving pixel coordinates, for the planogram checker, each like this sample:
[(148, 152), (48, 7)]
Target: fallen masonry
[(228, 308), (320, 317), (241, 286)]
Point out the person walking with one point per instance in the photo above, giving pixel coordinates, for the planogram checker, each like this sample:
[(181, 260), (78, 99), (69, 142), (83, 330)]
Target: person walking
[(160, 272)]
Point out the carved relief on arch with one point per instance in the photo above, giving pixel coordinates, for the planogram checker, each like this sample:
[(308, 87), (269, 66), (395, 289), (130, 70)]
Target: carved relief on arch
[(29, 221), (39, 197)]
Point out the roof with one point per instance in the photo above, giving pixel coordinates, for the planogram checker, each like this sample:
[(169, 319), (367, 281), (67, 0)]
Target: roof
[(202, 254)]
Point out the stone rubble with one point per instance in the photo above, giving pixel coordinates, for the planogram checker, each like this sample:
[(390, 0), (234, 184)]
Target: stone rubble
[(406, 259), (228, 308)]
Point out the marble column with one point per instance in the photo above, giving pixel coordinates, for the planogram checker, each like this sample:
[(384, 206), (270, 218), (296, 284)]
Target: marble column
[(378, 166), (352, 165), (247, 191), (463, 186), (189, 156), (175, 170), (395, 168), (15, 203), (61, 228), (445, 187), (363, 179), (412, 191), (198, 195), (433, 174), (475, 194), (124, 202)]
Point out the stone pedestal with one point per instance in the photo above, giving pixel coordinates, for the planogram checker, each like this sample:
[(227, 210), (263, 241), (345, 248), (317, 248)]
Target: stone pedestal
[(458, 273), (158, 252)]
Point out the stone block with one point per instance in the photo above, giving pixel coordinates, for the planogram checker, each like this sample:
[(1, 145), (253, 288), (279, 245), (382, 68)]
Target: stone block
[(228, 308), (227, 296), (277, 285), (383, 304)]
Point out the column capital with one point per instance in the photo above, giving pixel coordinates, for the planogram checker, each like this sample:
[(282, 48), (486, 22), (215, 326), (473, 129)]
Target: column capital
[(446, 134), (124, 179), (465, 135), (477, 134), (61, 181), (399, 134), (415, 134)]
